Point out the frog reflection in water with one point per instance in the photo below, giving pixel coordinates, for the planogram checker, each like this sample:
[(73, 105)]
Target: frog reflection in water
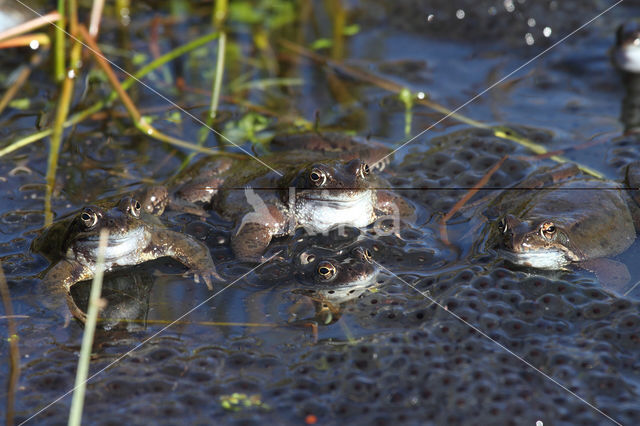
[(133, 239), (558, 216), (312, 192), (331, 278)]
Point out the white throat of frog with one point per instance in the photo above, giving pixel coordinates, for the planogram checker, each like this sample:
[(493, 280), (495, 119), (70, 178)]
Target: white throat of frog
[(120, 250), (320, 215)]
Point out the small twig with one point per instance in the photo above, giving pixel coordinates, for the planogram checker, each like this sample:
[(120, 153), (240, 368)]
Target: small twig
[(382, 83), (205, 323), (154, 48), (41, 39), (473, 191), (9, 317), (25, 27), (96, 17), (14, 351), (19, 82)]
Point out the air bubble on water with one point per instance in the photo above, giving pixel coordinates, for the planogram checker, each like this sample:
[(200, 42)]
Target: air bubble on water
[(528, 38), (509, 6)]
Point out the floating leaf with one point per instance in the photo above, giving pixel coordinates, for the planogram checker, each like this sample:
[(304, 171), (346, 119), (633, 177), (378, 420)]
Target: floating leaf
[(21, 104), (350, 30), (321, 43)]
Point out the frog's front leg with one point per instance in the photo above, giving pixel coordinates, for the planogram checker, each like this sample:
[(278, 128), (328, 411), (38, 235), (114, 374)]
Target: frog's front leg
[(255, 231), (187, 250), (390, 204), (58, 281)]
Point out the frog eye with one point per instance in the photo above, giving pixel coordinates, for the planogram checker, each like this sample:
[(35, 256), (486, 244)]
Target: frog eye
[(306, 258), (364, 170), (367, 255), (134, 208), (364, 254), (89, 218), (503, 225), (131, 206), (326, 270), (547, 230), (318, 177)]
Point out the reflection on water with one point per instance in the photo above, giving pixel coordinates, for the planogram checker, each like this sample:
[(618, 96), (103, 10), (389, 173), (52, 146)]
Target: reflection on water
[(382, 351)]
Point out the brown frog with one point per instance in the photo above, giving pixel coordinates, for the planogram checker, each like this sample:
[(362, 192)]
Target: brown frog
[(558, 216), (330, 278), (299, 189), (134, 237)]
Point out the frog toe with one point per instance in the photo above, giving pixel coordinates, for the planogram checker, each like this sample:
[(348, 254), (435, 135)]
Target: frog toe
[(208, 277)]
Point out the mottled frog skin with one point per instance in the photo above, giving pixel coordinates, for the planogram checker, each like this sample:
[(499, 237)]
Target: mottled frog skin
[(558, 216), (313, 192), (134, 237), (330, 278)]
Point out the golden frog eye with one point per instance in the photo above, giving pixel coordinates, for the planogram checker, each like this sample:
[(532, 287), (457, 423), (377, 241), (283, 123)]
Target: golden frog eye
[(318, 177), (134, 208), (364, 254), (547, 230), (131, 206), (364, 170), (326, 270), (89, 218)]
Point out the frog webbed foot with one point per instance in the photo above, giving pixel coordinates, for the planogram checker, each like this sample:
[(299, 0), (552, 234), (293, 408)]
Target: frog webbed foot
[(207, 276)]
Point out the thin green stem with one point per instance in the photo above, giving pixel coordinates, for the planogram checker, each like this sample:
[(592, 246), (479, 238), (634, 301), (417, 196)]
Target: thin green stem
[(82, 115), (14, 351), (220, 11), (59, 68), (217, 82), (55, 144), (77, 403), (62, 112)]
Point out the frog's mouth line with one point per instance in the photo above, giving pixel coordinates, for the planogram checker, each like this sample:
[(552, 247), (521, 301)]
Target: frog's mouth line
[(338, 197), (118, 247)]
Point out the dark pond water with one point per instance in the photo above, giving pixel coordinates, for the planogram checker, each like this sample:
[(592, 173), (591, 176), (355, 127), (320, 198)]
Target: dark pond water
[(556, 347)]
